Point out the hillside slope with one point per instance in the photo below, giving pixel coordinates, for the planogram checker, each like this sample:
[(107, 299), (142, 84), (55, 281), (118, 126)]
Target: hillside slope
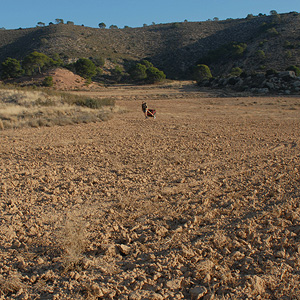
[(174, 48)]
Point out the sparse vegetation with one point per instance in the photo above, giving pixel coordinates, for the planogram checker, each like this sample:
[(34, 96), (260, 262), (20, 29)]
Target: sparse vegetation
[(236, 71), (23, 108), (261, 54), (232, 50), (72, 239), (48, 81), (201, 73), (172, 47), (272, 31)]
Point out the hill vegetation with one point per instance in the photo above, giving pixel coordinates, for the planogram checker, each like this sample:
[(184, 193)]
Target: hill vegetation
[(253, 44)]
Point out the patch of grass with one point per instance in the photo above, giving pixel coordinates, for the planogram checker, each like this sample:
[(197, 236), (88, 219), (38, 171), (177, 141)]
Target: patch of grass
[(10, 285), (36, 108), (72, 239), (94, 103)]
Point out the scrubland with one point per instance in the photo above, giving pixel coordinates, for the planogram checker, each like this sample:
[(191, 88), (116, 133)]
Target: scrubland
[(35, 108), (200, 203)]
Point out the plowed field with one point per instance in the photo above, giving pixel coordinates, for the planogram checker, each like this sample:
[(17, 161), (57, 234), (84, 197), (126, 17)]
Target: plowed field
[(203, 201)]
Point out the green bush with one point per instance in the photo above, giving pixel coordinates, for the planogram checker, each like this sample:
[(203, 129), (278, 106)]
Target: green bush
[(117, 73), (138, 72), (272, 31), (145, 71), (261, 54), (201, 73), (154, 75), (36, 62), (11, 68), (48, 81), (231, 50), (147, 63), (85, 68), (236, 71)]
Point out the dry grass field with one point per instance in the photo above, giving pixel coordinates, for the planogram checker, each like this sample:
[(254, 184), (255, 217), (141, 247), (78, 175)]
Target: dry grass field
[(21, 108), (201, 203)]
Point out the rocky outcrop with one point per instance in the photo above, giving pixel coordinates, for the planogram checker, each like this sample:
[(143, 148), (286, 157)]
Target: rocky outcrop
[(285, 82)]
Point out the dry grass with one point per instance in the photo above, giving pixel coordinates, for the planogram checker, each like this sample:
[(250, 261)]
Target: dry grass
[(11, 285), (29, 108), (72, 239)]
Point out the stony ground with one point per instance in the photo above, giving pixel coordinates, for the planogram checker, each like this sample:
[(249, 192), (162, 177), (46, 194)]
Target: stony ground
[(200, 203)]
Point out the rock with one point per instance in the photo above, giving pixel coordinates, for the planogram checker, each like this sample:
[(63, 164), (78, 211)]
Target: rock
[(123, 249), (111, 250), (296, 84), (174, 284), (270, 85), (197, 292), (162, 231), (287, 74), (263, 91), (96, 290)]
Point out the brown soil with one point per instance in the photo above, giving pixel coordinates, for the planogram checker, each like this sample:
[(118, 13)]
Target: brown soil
[(63, 79), (203, 201)]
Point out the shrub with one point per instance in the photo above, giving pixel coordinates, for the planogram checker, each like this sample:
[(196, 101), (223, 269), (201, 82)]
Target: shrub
[(72, 239), (48, 81), (261, 54), (37, 62), (85, 68), (11, 68), (295, 69), (98, 61), (272, 31), (147, 63), (146, 71), (94, 103), (117, 73), (155, 75), (201, 73), (238, 49), (231, 50), (138, 72), (102, 25), (236, 71)]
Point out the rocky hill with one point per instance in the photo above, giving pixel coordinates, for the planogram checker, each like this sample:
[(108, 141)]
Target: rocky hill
[(272, 42)]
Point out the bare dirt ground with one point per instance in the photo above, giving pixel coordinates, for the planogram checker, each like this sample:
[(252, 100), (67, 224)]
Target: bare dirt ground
[(200, 203)]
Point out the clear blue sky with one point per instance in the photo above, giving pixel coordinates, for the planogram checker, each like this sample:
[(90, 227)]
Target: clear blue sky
[(133, 13)]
